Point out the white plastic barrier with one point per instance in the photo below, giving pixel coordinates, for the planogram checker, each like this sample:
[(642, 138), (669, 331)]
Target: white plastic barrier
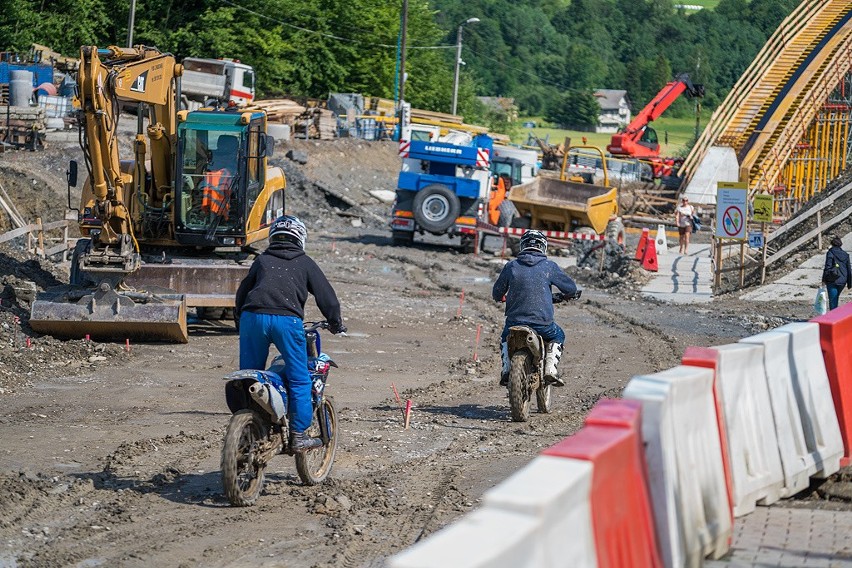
[(684, 457), (813, 395), (485, 538), (556, 492), (753, 446), (797, 464)]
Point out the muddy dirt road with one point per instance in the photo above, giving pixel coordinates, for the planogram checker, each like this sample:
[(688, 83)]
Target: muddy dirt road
[(116, 462)]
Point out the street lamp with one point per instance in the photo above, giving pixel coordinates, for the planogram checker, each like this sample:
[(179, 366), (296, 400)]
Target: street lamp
[(459, 61)]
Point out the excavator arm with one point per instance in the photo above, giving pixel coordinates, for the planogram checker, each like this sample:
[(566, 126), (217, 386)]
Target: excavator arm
[(107, 78)]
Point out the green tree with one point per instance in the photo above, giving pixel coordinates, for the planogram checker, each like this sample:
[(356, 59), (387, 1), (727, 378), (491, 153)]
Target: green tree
[(574, 108)]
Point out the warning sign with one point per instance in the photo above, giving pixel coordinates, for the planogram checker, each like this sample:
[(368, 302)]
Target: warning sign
[(763, 208), (731, 207)]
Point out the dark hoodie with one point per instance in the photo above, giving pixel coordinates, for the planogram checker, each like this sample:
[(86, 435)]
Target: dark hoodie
[(279, 282), (837, 256), (526, 283)]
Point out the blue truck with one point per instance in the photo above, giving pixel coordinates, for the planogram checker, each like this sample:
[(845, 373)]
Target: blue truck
[(442, 189), (42, 72)]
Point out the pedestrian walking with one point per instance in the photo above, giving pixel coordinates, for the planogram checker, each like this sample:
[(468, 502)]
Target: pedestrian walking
[(683, 220), (837, 272)]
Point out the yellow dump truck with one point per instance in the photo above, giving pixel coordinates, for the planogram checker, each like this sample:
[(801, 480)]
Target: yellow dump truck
[(570, 203)]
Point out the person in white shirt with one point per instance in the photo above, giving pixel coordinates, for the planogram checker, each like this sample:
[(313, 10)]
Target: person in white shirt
[(683, 220)]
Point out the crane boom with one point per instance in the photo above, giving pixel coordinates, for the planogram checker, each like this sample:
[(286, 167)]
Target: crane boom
[(638, 139)]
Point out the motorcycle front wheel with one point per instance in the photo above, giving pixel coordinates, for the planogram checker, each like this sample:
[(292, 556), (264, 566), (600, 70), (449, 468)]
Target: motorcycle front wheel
[(242, 471), (519, 385), (315, 465)]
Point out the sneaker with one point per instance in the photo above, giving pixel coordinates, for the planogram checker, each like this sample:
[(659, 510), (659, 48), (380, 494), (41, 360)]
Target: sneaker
[(301, 442)]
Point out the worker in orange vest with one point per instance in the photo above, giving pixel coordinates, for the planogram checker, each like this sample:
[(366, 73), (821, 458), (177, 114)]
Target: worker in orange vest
[(216, 192)]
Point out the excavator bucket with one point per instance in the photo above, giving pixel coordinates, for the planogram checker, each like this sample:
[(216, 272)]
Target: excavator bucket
[(109, 315)]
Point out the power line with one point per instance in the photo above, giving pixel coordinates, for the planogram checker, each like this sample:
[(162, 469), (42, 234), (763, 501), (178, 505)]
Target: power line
[(332, 36), (524, 71)]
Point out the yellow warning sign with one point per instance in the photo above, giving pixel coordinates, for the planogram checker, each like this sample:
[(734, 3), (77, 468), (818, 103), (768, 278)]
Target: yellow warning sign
[(764, 205)]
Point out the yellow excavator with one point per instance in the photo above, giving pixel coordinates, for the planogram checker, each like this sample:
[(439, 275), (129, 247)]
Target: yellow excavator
[(171, 228)]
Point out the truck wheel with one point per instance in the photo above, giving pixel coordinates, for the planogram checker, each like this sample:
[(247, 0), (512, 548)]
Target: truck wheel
[(614, 233), (508, 212), (436, 208)]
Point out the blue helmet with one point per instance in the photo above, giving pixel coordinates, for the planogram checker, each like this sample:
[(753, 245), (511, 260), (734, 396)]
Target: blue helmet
[(288, 228)]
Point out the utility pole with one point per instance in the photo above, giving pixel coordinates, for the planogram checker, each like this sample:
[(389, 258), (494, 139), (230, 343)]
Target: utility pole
[(402, 41), (459, 62), (130, 23)]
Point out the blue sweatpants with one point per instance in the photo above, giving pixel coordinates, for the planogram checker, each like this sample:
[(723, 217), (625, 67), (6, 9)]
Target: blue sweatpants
[(257, 331), (549, 333)]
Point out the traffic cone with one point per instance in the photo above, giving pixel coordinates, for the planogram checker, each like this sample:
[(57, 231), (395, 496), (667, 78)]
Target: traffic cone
[(649, 260), (662, 245), (643, 244)]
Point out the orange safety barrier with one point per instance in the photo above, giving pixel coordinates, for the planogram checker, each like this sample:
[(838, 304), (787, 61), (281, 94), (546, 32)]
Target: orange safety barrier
[(643, 243), (649, 260), (835, 337), (622, 520), (709, 359)]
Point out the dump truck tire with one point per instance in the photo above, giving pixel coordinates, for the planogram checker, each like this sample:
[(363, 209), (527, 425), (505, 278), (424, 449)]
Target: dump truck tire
[(508, 212), (614, 233), (436, 208)]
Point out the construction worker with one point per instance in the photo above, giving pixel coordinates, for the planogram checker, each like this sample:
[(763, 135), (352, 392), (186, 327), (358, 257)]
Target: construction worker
[(525, 283), (216, 185), (270, 305)]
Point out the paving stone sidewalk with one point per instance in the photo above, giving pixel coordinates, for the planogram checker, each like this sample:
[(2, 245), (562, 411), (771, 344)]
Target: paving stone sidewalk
[(782, 537)]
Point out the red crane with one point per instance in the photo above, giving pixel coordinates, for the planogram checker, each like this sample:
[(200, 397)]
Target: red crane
[(638, 139)]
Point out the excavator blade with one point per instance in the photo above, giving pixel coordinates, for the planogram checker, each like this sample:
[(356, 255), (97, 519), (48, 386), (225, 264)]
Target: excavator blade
[(109, 315)]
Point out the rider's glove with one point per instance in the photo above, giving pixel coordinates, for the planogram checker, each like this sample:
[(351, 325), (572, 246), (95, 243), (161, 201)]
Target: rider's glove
[(337, 328)]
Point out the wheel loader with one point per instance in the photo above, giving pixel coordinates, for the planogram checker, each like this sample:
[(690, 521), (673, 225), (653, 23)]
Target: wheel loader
[(171, 227)]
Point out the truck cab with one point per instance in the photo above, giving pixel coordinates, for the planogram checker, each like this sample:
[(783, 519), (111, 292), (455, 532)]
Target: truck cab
[(442, 187), (220, 80)]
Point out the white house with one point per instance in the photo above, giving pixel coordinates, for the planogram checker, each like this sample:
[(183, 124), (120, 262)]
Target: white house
[(615, 110)]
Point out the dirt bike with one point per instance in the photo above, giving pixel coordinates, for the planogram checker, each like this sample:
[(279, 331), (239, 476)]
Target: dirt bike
[(259, 426), (526, 368)]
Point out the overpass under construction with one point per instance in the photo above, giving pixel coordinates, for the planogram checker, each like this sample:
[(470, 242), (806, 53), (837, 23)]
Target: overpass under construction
[(785, 126)]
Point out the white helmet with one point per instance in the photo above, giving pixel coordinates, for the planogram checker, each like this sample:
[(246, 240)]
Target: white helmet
[(534, 240), (288, 228)]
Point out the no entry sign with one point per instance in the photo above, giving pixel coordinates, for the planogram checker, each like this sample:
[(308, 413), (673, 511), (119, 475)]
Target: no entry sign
[(731, 207)]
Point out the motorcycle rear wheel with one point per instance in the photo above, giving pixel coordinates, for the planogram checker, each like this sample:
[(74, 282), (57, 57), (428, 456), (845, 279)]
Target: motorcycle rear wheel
[(242, 473), (314, 466), (544, 398), (519, 385)]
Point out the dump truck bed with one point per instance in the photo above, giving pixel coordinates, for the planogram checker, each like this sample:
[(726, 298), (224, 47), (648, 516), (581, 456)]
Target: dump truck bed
[(565, 205)]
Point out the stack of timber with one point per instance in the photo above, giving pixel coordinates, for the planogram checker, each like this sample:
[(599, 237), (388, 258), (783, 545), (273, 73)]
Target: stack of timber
[(22, 126), (285, 111), (316, 123)]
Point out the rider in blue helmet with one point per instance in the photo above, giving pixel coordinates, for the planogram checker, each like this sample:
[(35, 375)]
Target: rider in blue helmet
[(526, 284), (270, 305)]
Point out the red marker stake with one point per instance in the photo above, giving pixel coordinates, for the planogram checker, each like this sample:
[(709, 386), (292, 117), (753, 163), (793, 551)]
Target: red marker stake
[(476, 347), (396, 394), (407, 413), (87, 337), (29, 343), (333, 245), (461, 304), (127, 345)]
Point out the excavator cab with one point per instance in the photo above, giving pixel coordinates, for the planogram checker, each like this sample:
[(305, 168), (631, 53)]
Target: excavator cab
[(221, 173)]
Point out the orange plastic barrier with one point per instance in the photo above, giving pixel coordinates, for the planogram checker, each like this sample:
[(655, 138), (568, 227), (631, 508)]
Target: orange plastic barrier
[(621, 507), (643, 243), (835, 336), (709, 359), (649, 261)]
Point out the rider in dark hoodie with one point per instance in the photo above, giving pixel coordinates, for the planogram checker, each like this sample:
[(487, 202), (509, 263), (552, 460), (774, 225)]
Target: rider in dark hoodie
[(525, 282), (270, 305), (837, 258)]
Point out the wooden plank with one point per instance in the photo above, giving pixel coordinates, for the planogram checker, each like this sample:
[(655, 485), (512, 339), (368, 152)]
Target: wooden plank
[(808, 236), (16, 233), (61, 247), (825, 203), (54, 225)]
